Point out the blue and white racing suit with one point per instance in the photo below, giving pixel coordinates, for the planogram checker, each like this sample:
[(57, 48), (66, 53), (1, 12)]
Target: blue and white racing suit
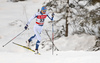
[(40, 18)]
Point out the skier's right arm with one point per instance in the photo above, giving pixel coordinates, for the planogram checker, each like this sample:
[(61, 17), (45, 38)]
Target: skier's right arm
[(29, 21)]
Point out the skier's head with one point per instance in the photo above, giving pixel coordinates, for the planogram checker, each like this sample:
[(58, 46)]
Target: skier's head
[(43, 10)]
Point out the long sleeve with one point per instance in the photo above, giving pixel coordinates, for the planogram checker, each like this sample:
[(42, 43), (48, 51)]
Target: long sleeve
[(31, 19), (51, 18)]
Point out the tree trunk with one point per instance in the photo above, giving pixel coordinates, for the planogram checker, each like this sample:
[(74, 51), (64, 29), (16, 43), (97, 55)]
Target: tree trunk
[(95, 1), (67, 11)]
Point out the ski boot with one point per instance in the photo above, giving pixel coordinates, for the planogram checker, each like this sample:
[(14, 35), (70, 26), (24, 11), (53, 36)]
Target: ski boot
[(36, 51), (28, 43)]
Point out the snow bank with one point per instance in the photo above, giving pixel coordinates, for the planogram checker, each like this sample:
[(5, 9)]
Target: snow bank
[(75, 42)]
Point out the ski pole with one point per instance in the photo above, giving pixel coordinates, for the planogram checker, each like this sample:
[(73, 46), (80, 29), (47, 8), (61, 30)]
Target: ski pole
[(13, 38), (52, 39), (52, 35)]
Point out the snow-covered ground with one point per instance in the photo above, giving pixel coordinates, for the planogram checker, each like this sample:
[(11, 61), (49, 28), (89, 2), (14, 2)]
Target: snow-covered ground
[(46, 57), (14, 16)]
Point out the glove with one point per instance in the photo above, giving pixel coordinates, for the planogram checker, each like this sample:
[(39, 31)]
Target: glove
[(53, 14), (26, 27)]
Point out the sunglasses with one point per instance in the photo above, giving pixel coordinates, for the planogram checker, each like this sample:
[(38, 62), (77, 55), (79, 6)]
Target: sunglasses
[(44, 10)]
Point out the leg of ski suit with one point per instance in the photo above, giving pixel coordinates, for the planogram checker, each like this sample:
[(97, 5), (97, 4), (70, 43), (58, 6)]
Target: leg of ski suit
[(37, 31)]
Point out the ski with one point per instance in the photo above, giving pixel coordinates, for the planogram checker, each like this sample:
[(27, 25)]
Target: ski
[(26, 48)]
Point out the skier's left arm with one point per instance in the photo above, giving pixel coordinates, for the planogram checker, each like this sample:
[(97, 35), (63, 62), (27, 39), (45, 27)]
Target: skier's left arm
[(51, 18)]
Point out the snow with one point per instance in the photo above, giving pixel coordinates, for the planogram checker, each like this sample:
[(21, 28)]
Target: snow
[(59, 57), (93, 7), (83, 42), (13, 18)]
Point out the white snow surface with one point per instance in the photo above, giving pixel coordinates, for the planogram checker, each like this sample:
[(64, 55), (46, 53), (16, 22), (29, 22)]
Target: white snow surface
[(13, 18), (46, 57)]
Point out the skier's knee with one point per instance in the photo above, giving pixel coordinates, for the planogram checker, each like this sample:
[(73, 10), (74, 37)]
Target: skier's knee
[(38, 42)]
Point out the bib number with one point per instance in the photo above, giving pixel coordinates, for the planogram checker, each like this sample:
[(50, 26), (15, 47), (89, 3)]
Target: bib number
[(41, 20)]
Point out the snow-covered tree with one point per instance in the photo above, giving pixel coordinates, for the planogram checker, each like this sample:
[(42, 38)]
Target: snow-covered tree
[(83, 17), (80, 18)]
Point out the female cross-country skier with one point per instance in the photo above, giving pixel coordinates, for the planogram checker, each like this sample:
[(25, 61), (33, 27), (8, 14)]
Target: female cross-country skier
[(40, 17)]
